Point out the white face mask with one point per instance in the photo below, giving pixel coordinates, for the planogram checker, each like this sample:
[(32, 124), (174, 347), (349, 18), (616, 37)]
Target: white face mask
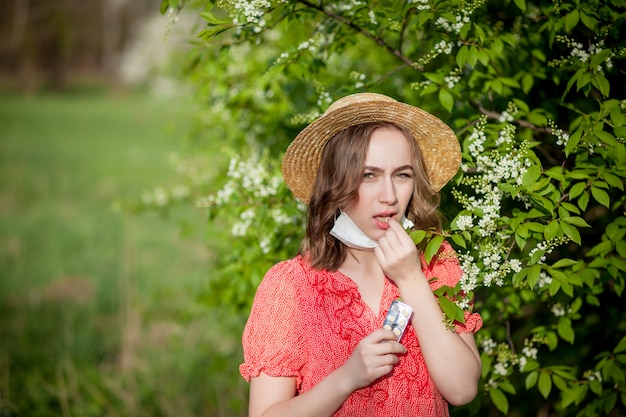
[(349, 233)]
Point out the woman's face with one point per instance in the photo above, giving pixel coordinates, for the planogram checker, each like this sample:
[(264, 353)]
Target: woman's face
[(387, 183)]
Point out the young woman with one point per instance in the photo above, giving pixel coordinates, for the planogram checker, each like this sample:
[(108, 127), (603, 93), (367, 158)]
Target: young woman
[(314, 344)]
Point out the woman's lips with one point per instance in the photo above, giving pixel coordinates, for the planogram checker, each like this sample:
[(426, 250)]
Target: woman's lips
[(382, 222)]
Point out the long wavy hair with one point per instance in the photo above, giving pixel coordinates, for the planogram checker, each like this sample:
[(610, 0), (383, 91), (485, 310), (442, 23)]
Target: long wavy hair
[(337, 187)]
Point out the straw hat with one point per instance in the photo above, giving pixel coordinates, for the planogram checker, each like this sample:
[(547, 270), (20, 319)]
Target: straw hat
[(437, 142)]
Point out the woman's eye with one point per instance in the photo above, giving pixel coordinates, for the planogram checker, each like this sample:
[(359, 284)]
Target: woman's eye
[(368, 175)]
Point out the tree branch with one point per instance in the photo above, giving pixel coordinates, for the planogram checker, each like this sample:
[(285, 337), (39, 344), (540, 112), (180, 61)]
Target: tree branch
[(522, 123), (395, 52)]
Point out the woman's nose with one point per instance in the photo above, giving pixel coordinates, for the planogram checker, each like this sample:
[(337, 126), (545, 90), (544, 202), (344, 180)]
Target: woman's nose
[(387, 192)]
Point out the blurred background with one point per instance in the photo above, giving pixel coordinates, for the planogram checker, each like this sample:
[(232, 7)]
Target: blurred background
[(97, 307)]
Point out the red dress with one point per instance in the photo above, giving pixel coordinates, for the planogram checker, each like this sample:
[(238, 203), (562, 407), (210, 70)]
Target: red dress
[(305, 324)]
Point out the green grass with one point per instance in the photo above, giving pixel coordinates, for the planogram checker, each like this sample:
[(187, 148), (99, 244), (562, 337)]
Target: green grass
[(97, 308)]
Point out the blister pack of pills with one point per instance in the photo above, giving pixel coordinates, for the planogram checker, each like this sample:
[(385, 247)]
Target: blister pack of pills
[(398, 318)]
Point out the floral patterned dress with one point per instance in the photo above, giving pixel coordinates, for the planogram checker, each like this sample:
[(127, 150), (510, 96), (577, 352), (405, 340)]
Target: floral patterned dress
[(305, 324)]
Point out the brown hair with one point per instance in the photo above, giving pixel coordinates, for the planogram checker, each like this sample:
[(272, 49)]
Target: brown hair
[(337, 186)]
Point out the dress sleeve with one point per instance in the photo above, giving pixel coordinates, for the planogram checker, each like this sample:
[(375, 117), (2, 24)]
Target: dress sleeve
[(273, 342), (446, 268)]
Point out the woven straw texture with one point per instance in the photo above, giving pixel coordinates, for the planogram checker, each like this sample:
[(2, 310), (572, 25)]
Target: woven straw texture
[(437, 142)]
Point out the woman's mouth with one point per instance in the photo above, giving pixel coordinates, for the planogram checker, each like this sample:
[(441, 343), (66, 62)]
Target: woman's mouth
[(382, 221)]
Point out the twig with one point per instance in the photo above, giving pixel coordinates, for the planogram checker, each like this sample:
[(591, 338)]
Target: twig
[(522, 123), (397, 53)]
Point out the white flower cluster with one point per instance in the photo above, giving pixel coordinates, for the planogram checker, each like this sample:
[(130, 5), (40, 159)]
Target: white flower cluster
[(247, 175), (488, 345), (359, 79), (544, 280), (592, 375), (241, 228), (324, 98), (312, 45), (465, 222), (497, 167), (160, 197), (529, 351), (559, 310), (580, 54), (561, 137), (509, 114), (372, 17), (453, 27), (443, 47), (471, 271), (546, 247), (420, 4), (250, 188), (506, 358), (344, 6), (252, 10), (454, 77), (501, 368)]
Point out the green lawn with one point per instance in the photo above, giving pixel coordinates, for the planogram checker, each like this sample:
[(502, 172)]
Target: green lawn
[(98, 314)]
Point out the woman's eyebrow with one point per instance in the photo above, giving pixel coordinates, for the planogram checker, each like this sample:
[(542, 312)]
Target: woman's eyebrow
[(377, 169), (404, 168)]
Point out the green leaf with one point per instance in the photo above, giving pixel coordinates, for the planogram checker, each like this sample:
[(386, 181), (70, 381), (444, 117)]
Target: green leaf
[(571, 20), (551, 230), (473, 55), (573, 142), (459, 240), (418, 236), (499, 400), (576, 221), (433, 247), (613, 180), (450, 309), (570, 231), (617, 117), (507, 387), (533, 275), (576, 190), (559, 382), (211, 19), (446, 100), (461, 56), (606, 137), (531, 379), (600, 196), (563, 263), (527, 82), (583, 200), (573, 395), (424, 17), (521, 4), (545, 384), (600, 58), (601, 83), (531, 175), (621, 346), (588, 21), (565, 330)]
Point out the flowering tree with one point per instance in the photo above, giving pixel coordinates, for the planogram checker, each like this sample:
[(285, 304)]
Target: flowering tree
[(535, 92)]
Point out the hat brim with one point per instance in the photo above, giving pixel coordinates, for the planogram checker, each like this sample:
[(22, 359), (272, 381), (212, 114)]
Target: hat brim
[(438, 144)]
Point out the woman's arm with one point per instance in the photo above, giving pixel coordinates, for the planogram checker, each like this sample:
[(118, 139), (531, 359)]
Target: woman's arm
[(452, 359), (371, 359)]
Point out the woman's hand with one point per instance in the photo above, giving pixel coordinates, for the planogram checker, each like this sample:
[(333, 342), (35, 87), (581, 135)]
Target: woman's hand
[(397, 254), (373, 357)]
